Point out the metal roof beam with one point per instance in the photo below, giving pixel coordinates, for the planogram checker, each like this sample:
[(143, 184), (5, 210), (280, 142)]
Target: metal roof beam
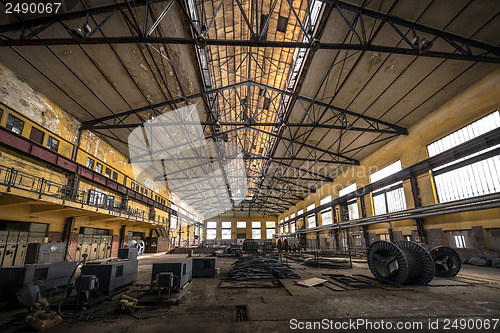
[(251, 43)]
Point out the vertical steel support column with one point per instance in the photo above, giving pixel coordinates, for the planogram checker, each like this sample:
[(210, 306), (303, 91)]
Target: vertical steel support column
[(69, 224), (391, 234), (122, 236), (366, 234), (418, 203)]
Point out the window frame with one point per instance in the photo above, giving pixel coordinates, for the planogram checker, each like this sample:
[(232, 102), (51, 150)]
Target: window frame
[(98, 168), (390, 198), (91, 167), (13, 126), (50, 140)]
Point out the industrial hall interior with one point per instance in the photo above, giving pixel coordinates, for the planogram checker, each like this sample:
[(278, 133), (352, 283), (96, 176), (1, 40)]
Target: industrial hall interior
[(250, 165)]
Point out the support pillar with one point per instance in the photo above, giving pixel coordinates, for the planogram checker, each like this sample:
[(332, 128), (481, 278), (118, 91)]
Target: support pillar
[(391, 234), (418, 203), (122, 236), (69, 224), (366, 235)]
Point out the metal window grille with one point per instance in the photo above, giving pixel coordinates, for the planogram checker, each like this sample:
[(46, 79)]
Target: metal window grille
[(474, 179)]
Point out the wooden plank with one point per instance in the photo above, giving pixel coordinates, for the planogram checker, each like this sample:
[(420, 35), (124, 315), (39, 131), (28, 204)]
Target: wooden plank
[(311, 282)]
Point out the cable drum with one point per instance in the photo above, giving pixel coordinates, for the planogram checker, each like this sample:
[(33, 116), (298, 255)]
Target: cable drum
[(446, 261), (420, 264), (387, 262), (139, 245)]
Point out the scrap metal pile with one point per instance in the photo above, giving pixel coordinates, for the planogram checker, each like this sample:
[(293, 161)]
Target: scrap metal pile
[(261, 267)]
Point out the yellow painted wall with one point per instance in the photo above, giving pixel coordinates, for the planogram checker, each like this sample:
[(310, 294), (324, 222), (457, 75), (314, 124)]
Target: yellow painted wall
[(472, 104), (38, 111)]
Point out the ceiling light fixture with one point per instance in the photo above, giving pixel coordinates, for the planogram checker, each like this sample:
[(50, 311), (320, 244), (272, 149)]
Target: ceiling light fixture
[(422, 45)]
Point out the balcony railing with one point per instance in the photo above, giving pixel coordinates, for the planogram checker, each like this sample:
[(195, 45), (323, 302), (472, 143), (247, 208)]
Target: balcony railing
[(18, 179)]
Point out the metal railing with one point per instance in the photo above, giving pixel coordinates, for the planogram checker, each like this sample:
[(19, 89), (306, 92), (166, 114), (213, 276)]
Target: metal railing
[(18, 179)]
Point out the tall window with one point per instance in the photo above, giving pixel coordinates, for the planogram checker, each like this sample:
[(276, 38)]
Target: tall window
[(241, 225), (107, 173), (352, 205), (311, 219), (300, 212), (256, 230), (472, 179), (15, 124), (270, 229), (326, 215), (390, 198), (226, 230), (173, 222), (292, 227), (211, 230)]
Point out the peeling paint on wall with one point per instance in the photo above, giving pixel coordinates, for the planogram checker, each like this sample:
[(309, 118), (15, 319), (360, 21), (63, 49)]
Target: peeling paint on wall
[(19, 96)]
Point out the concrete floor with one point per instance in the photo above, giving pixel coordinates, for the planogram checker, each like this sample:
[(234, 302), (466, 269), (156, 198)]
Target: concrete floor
[(205, 307)]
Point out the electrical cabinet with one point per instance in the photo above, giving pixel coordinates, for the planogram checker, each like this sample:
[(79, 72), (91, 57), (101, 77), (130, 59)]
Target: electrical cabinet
[(86, 245), (79, 245), (204, 266), (112, 274), (22, 244), (36, 237), (10, 249), (106, 241), (45, 253), (182, 268), (3, 244)]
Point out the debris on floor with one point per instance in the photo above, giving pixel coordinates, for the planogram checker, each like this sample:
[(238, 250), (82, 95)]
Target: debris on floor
[(311, 282), (227, 252), (328, 263), (250, 284), (261, 267)]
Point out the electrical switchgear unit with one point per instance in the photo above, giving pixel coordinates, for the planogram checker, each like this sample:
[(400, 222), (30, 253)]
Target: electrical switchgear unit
[(22, 243), (182, 268), (3, 244), (108, 241), (101, 249), (79, 246), (87, 240), (10, 249), (45, 253), (112, 274), (204, 267), (93, 248), (53, 276), (36, 237)]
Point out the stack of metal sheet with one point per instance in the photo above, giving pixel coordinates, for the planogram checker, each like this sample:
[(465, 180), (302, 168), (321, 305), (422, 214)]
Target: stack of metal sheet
[(261, 267)]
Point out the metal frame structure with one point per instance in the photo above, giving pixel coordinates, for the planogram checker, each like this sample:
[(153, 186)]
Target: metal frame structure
[(277, 177)]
